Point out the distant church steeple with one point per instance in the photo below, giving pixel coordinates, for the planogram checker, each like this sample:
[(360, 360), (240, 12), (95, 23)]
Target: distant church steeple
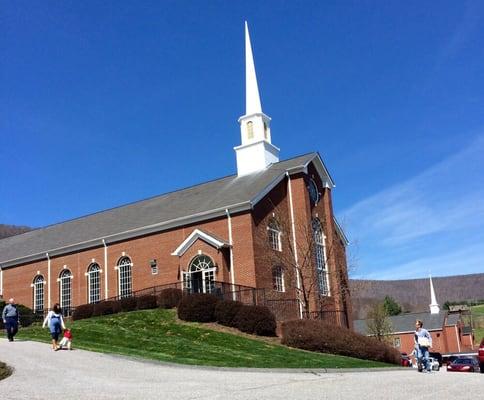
[(256, 151), (434, 307)]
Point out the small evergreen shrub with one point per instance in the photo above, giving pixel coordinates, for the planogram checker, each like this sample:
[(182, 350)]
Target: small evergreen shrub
[(106, 307), (314, 335), (225, 312), (146, 302), (127, 304), (256, 319), (83, 311), (198, 307), (169, 298)]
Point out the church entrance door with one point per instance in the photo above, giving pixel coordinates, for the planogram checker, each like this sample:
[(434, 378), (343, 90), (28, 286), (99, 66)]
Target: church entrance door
[(200, 277)]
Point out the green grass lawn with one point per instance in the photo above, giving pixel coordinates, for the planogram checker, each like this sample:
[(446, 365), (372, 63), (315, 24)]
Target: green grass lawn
[(478, 316), (156, 334)]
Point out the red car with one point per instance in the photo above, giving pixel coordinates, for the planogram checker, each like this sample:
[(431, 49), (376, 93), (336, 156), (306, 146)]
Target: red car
[(481, 356), (463, 365)]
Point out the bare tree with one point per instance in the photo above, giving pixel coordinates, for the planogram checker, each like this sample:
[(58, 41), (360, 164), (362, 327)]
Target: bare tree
[(301, 249), (378, 323)]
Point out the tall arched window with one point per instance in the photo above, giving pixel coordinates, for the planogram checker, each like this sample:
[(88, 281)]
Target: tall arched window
[(124, 277), (93, 283), (65, 289), (250, 130), (200, 277), (38, 286), (278, 279), (274, 235), (320, 255)]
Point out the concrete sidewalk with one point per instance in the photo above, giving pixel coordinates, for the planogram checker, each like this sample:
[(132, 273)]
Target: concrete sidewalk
[(41, 373)]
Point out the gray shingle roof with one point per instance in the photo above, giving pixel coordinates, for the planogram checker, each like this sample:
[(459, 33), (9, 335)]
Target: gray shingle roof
[(188, 205), (406, 322)]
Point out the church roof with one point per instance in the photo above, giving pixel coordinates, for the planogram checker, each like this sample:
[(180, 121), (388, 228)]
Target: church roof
[(405, 323), (196, 203)]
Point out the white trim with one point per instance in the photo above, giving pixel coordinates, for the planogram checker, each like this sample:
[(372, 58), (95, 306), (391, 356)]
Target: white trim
[(340, 232), (192, 238), (106, 268), (48, 281), (231, 254), (1, 281), (293, 229), (457, 337)]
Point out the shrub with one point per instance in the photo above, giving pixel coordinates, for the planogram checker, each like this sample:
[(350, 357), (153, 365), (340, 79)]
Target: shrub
[(127, 303), (198, 307), (318, 336), (256, 319), (27, 316), (82, 312), (146, 301), (225, 312), (106, 307), (169, 298)]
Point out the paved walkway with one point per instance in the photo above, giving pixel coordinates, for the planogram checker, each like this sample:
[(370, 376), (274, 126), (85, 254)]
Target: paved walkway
[(41, 373)]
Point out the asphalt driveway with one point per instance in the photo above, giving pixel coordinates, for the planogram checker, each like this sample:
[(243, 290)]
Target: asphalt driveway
[(41, 373)]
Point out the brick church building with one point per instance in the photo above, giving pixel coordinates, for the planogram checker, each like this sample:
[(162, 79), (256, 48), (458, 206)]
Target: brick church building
[(232, 233)]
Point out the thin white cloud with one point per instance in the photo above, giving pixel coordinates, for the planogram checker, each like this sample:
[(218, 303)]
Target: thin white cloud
[(425, 221)]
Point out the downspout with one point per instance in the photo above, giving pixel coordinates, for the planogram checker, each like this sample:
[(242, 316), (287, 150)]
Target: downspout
[(293, 229), (48, 280), (1, 281), (232, 273), (457, 337), (105, 269)]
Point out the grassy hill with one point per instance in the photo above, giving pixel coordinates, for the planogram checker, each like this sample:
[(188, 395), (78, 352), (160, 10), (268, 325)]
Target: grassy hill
[(478, 322), (158, 335)]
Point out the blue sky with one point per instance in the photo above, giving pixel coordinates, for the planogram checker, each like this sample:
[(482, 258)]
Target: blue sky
[(105, 103)]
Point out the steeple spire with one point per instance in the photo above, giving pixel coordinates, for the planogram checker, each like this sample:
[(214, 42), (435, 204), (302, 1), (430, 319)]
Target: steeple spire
[(434, 307), (252, 98), (256, 151)]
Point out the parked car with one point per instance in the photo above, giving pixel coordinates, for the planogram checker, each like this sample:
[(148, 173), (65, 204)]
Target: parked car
[(464, 365), (434, 363), (405, 360), (481, 356)]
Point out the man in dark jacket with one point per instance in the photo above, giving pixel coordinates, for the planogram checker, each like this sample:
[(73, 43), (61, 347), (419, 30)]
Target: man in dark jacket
[(11, 319)]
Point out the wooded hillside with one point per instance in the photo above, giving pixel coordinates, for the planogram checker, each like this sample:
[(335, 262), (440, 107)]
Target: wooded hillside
[(11, 230), (414, 294)]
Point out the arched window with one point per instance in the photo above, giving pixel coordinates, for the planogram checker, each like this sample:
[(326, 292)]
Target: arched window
[(124, 277), (320, 255), (38, 286), (274, 235), (200, 277), (250, 130), (65, 289), (93, 283), (278, 279)]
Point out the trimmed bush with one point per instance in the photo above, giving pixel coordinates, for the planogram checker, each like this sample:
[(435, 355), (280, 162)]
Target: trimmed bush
[(27, 316), (82, 312), (127, 304), (106, 307), (256, 319), (318, 336), (198, 307), (169, 298), (225, 312), (146, 302)]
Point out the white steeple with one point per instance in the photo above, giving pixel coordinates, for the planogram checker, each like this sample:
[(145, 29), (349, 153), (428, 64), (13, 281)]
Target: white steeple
[(256, 151), (434, 307)]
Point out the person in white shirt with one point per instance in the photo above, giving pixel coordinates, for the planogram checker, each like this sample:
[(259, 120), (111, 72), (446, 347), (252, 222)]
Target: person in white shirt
[(55, 322)]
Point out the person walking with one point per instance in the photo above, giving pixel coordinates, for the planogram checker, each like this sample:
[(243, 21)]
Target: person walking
[(55, 322), (11, 319), (423, 341)]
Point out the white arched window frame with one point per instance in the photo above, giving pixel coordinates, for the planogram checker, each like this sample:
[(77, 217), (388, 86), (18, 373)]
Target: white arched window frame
[(200, 264), (125, 283), (320, 255), (93, 283), (274, 236), (38, 295), (65, 289), (278, 279)]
